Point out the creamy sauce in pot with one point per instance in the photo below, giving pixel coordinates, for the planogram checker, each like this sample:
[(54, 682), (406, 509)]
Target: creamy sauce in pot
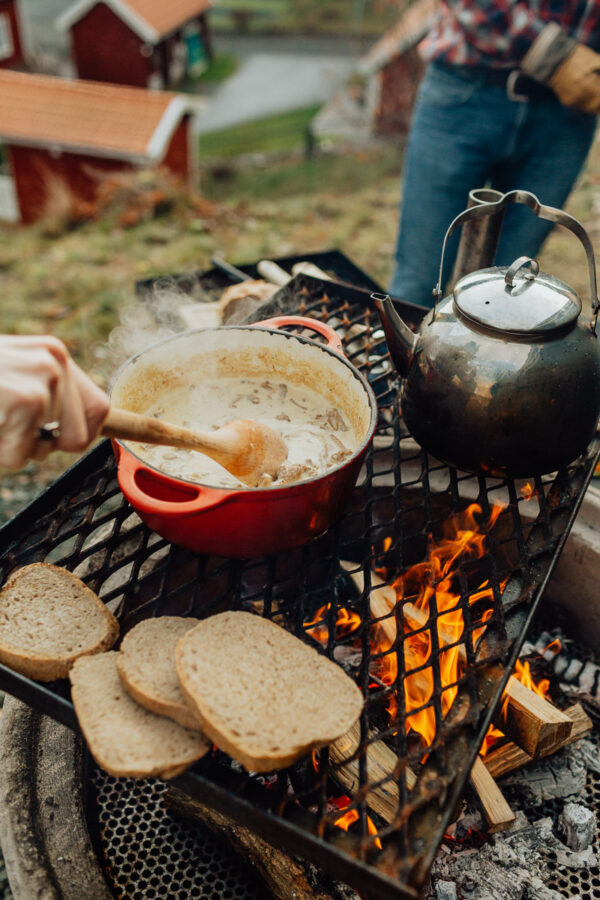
[(316, 434)]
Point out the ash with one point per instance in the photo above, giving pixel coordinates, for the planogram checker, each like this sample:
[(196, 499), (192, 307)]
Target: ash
[(551, 850)]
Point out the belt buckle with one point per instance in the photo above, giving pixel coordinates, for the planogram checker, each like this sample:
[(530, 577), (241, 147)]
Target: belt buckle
[(511, 82)]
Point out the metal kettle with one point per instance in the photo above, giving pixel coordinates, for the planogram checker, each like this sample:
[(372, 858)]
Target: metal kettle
[(503, 377)]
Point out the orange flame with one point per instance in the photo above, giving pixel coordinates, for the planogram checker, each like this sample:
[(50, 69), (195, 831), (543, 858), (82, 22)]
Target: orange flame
[(350, 817), (554, 647), (528, 491), (522, 672), (432, 582), (346, 622)]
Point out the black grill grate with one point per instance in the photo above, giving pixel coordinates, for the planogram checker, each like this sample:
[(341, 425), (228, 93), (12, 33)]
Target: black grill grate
[(149, 854), (403, 497)]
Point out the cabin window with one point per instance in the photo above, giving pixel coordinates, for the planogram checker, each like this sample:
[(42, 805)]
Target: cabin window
[(6, 43)]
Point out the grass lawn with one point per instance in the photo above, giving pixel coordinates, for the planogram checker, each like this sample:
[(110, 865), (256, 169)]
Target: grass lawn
[(79, 284), (335, 17), (221, 67), (272, 134)]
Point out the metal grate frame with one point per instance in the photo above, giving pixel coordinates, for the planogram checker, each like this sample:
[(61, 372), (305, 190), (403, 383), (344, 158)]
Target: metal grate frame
[(83, 523)]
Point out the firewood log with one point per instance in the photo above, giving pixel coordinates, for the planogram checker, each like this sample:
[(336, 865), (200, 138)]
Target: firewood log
[(508, 757), (382, 763), (285, 876), (498, 814)]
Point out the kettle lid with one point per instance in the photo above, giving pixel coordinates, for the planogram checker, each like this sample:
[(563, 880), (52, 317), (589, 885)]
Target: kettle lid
[(518, 299)]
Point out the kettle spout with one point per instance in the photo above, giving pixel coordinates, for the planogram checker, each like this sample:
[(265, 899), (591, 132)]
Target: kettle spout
[(401, 341)]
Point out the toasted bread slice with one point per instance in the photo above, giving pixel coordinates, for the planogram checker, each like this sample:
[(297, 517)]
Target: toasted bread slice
[(124, 738), (48, 619), (146, 664), (261, 694)]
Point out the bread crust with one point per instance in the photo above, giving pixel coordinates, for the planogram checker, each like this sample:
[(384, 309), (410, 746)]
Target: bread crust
[(105, 711), (44, 666), (128, 665), (214, 707)]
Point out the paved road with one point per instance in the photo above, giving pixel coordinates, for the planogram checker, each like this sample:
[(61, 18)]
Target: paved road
[(270, 83), (275, 73), (40, 15)]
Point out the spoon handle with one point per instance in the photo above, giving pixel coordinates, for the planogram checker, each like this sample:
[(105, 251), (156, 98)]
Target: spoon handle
[(120, 423)]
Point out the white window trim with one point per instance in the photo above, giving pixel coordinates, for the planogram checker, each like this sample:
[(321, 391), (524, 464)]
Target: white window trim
[(7, 48)]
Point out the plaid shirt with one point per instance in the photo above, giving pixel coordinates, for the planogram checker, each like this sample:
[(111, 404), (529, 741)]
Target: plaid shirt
[(499, 33)]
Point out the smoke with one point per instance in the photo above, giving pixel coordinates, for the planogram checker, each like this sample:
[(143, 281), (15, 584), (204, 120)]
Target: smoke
[(162, 310)]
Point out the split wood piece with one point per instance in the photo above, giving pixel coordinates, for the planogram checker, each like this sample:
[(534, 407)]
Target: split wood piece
[(509, 757), (381, 763), (532, 722), (381, 603), (496, 810), (529, 720), (285, 876), (383, 799)]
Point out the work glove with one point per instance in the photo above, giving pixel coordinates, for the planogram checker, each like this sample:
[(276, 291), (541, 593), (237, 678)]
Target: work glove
[(572, 70)]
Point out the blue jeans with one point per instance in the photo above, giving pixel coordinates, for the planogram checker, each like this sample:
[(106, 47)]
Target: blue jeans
[(467, 134)]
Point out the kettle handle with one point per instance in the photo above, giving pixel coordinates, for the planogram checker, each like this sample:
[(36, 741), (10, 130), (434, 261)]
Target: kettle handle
[(549, 213)]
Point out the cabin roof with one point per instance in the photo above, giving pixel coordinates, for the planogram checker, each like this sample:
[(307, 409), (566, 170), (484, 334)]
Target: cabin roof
[(152, 20), (88, 117)]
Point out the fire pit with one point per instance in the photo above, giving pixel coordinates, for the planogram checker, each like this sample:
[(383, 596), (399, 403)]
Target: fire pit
[(477, 615)]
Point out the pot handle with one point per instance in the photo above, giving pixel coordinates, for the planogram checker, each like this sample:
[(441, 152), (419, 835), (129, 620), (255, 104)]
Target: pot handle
[(557, 216), (128, 470), (334, 342)]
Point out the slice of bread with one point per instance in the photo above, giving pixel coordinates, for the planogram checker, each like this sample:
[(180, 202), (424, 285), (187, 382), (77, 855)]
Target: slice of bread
[(146, 664), (48, 619), (124, 738), (261, 694)]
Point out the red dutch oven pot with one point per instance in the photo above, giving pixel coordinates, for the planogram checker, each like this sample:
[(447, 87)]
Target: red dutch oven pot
[(242, 522)]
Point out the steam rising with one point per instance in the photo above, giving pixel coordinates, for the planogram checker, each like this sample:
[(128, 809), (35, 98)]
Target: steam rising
[(164, 311)]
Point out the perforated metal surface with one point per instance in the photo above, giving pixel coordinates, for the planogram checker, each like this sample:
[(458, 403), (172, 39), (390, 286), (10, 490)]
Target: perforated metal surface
[(404, 497), (151, 855), (583, 884), (579, 883)]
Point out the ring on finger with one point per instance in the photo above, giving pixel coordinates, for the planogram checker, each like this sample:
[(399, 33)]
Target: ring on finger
[(49, 432)]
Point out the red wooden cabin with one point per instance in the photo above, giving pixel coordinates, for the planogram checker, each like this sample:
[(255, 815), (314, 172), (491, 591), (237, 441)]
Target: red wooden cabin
[(72, 134), (380, 95), (12, 50), (394, 68), (146, 43)]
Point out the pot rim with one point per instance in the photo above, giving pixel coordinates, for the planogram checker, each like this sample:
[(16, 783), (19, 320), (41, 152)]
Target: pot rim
[(356, 373)]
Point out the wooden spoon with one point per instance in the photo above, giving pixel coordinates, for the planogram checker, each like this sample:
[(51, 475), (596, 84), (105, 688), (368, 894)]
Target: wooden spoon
[(245, 448)]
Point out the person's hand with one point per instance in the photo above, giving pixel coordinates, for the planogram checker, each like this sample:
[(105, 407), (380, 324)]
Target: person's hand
[(576, 81), (572, 70), (41, 384)]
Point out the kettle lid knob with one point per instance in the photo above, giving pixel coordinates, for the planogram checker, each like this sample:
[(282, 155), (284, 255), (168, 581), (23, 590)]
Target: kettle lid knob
[(517, 299)]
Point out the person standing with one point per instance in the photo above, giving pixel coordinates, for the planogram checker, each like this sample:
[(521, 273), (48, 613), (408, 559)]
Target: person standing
[(508, 101)]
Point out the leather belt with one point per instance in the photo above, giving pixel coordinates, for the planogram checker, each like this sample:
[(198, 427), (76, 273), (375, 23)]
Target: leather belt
[(518, 86)]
